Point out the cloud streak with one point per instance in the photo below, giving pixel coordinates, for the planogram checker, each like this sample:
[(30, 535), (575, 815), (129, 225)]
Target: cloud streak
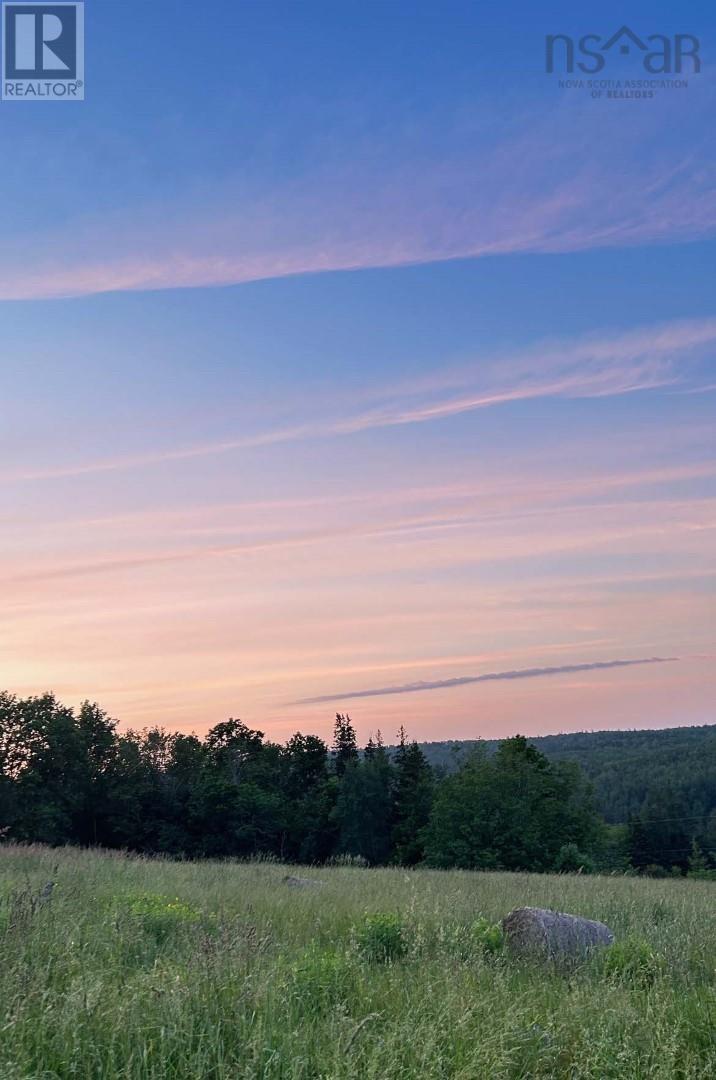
[(395, 205), (610, 365), (493, 676)]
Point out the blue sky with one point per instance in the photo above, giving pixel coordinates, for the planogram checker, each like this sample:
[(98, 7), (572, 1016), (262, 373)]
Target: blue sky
[(343, 349)]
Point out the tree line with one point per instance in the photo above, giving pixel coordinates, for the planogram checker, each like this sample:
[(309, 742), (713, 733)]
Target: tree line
[(70, 777)]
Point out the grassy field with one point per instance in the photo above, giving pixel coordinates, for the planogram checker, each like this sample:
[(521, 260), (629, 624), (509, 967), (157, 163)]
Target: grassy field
[(136, 968)]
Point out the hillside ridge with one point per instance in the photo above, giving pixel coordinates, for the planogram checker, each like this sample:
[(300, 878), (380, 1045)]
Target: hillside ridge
[(625, 766)]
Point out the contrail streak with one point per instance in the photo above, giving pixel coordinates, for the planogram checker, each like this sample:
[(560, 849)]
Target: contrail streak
[(492, 676)]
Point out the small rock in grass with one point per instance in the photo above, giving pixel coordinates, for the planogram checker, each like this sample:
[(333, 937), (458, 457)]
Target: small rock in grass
[(302, 882), (553, 935)]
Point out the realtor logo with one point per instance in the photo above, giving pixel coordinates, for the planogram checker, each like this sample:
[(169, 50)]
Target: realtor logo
[(43, 52)]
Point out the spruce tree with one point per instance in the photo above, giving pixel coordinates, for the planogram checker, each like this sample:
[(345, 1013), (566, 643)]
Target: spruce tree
[(345, 743), (412, 802)]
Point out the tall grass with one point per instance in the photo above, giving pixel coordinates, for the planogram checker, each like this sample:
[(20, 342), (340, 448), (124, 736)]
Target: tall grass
[(134, 968)]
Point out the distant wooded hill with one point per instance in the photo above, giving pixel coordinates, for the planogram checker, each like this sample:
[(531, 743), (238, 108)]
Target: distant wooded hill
[(627, 768)]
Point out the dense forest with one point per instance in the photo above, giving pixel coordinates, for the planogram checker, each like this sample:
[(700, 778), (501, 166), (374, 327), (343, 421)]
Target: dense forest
[(627, 768), (69, 777)]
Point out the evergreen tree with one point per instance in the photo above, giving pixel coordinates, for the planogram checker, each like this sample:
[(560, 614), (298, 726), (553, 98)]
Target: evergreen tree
[(345, 743), (412, 802), (363, 808)]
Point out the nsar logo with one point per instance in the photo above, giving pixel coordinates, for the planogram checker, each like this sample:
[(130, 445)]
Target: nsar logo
[(43, 52), (660, 54)]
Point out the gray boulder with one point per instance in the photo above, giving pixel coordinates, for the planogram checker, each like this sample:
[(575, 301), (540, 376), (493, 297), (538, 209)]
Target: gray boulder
[(302, 882), (552, 935)]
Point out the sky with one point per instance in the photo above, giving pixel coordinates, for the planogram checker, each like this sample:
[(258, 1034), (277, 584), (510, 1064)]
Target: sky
[(349, 362)]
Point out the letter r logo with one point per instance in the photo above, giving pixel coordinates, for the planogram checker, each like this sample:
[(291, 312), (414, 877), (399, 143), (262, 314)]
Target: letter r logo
[(40, 40), (26, 43)]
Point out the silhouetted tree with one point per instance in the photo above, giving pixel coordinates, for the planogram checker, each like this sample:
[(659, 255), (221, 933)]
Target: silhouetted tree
[(345, 744), (412, 802), (363, 809), (309, 801)]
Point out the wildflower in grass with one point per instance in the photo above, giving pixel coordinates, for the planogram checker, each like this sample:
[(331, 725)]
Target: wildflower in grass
[(161, 916)]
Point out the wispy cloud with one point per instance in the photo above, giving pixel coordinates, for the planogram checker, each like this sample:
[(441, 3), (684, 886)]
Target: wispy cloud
[(455, 536), (476, 194), (492, 676), (524, 487), (592, 366)]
